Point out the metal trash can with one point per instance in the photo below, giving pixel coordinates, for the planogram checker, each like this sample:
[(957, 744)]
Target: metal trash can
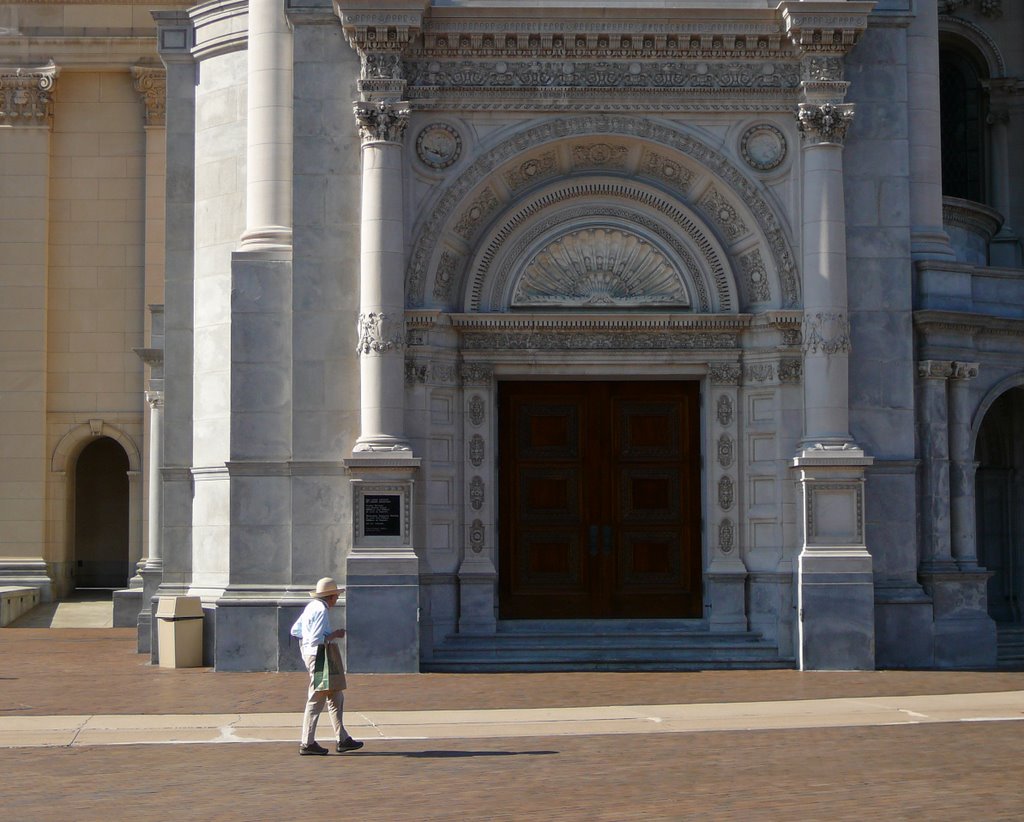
[(179, 632)]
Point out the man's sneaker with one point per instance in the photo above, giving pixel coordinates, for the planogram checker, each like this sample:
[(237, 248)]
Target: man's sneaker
[(312, 750), (349, 744)]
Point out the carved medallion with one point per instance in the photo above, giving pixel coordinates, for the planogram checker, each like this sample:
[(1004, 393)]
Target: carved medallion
[(726, 449), (476, 536), (599, 155), (726, 536), (756, 276), (476, 450), (763, 147), (726, 493), (446, 268), (438, 145), (476, 409), (723, 214), (476, 493), (724, 409), (600, 267)]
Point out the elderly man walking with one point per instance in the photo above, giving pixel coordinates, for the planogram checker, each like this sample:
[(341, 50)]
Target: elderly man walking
[(313, 630)]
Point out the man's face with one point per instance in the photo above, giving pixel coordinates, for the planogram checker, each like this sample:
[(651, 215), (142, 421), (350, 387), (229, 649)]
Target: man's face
[(331, 600)]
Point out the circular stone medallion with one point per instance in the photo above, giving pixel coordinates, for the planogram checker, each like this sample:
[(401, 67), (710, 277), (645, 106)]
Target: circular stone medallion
[(438, 145), (763, 147)]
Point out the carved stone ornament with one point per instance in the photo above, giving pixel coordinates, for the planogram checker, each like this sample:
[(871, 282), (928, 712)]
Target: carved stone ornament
[(826, 333), (533, 170), (726, 536), (763, 147), (726, 450), (759, 372), (755, 276), (476, 493), (475, 373), (446, 268), (381, 122), (472, 218), (151, 84), (605, 267), (726, 493), (965, 370), (723, 214), (725, 410), (724, 374), (415, 372), (438, 145), (26, 96), (934, 369), (790, 370), (476, 536), (476, 450), (476, 410), (989, 8), (826, 123), (660, 167), (375, 65), (375, 336), (599, 155)]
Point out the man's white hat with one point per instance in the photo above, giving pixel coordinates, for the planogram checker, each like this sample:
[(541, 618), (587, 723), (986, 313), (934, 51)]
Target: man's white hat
[(325, 587)]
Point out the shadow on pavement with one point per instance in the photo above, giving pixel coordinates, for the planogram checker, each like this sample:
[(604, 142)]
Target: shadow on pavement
[(451, 754)]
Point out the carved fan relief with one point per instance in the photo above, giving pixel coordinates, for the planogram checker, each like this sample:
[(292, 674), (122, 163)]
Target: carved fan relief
[(603, 267)]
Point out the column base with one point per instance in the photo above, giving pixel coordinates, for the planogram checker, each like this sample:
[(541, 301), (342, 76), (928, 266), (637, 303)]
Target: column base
[(382, 444), (903, 627), (27, 573), (965, 635)]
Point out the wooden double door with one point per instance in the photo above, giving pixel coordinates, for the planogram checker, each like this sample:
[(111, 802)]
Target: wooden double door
[(599, 500)]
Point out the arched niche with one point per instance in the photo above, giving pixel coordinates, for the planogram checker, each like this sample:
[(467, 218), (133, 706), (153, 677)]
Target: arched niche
[(652, 172)]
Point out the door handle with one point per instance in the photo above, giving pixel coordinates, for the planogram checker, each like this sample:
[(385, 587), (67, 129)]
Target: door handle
[(607, 540), (593, 540)]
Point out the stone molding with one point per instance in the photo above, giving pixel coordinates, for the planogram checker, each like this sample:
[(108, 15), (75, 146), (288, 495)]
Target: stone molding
[(824, 124), (975, 218), (824, 27), (151, 85), (26, 95), (381, 122)]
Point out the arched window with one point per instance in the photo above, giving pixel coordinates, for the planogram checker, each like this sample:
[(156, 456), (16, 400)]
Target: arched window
[(963, 124)]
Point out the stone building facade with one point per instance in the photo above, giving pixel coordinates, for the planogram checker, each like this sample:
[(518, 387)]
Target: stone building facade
[(567, 334)]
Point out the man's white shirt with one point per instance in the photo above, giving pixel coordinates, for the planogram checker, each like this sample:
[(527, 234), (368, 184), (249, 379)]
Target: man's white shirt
[(312, 627)]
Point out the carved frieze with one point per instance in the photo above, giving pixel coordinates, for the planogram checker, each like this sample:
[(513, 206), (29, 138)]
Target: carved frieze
[(476, 410), (26, 96), (438, 145), (447, 266), (602, 74), (790, 370), (726, 493), (472, 218), (476, 493), (826, 332), (600, 267), (381, 121), (151, 84), (725, 410), (826, 123), (378, 334), (415, 372), (597, 340), (727, 373), (660, 167), (599, 155), (759, 372), (476, 536), (755, 277), (533, 170), (723, 214), (475, 373), (726, 450), (476, 450)]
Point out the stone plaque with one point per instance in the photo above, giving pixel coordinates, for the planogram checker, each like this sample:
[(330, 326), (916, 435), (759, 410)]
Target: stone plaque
[(382, 515)]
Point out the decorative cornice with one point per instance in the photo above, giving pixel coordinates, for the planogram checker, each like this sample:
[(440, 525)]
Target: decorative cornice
[(826, 123), (931, 321), (151, 84), (825, 25), (26, 95), (381, 122)]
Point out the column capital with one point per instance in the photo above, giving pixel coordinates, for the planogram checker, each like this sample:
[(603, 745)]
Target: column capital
[(150, 83), (934, 369), (964, 370), (26, 95), (155, 399), (381, 122), (824, 124)]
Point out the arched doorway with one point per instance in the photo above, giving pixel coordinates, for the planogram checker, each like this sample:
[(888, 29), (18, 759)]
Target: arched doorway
[(101, 558), (1000, 507)]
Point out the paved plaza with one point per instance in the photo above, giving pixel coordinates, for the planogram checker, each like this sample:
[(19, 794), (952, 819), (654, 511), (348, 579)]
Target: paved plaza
[(88, 728)]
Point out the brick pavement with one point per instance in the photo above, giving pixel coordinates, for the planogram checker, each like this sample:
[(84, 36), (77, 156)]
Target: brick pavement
[(961, 771)]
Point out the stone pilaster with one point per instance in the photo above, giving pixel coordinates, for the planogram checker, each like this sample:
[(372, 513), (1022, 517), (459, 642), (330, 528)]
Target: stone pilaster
[(835, 585), (933, 430), (1004, 122), (26, 115)]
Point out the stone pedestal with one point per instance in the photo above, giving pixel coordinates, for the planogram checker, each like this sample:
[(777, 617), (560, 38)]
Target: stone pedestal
[(965, 635), (382, 597), (835, 584)]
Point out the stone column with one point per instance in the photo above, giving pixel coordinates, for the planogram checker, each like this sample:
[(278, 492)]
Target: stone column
[(381, 329), (26, 117), (1005, 248), (928, 237), (962, 467), (268, 203), (835, 583), (933, 427)]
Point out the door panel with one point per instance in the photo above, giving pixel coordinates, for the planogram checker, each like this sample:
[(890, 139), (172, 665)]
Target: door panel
[(599, 500)]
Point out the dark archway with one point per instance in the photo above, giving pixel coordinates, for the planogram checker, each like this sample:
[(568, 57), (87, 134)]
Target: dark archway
[(963, 110), (101, 516), (1000, 505)]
